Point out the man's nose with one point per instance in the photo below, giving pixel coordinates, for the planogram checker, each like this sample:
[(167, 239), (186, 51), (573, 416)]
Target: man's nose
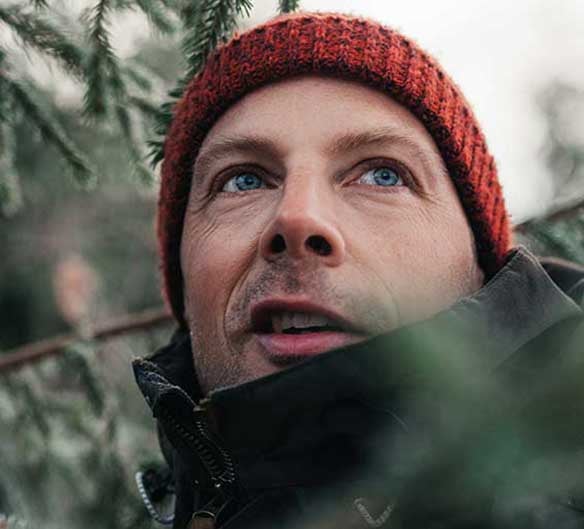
[(304, 225)]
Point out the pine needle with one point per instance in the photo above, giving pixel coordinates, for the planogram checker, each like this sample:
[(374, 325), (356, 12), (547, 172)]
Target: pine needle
[(140, 172), (137, 77), (51, 131), (155, 152), (214, 21), (206, 24), (5, 112), (39, 34), (106, 86), (157, 15), (103, 73), (146, 107), (10, 192), (288, 6), (80, 356)]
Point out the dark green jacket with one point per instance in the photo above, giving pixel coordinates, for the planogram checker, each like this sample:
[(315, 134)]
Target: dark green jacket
[(474, 418)]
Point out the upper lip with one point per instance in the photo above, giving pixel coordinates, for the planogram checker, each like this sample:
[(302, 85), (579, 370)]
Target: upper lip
[(261, 313)]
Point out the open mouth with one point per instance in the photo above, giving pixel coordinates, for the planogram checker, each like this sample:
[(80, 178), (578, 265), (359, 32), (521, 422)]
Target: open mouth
[(290, 331), (281, 322)]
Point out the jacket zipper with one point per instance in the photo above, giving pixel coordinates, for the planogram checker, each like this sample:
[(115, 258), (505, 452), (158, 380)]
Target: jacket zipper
[(215, 458)]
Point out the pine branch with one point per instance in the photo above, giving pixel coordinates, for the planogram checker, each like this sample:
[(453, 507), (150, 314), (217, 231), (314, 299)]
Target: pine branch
[(10, 192), (139, 171), (206, 24), (156, 15), (106, 88), (146, 108), (35, 352), (187, 11), (155, 151), (137, 78), (24, 98), (41, 35), (559, 233), (213, 22), (104, 78), (557, 215), (557, 241), (30, 407), (39, 4), (5, 111), (174, 5), (78, 354), (288, 6)]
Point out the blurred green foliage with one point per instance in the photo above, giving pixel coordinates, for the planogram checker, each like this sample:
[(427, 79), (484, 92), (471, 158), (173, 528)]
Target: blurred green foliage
[(74, 429), (73, 434)]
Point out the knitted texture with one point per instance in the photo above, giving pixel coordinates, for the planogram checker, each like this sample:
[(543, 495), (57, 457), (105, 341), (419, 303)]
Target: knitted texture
[(349, 48)]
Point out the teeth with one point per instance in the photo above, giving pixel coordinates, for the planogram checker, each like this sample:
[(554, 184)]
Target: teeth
[(287, 320), (277, 323), (297, 320)]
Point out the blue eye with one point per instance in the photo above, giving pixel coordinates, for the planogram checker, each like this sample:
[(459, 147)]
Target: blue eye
[(243, 182), (382, 176)]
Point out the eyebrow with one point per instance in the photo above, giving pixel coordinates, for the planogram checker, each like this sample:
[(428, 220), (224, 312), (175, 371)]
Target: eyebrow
[(379, 136), (346, 142), (235, 144)]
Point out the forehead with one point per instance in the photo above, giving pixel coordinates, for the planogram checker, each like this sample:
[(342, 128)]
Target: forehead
[(313, 109)]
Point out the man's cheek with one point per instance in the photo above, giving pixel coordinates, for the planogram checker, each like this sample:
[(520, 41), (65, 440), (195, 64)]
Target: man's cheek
[(210, 278)]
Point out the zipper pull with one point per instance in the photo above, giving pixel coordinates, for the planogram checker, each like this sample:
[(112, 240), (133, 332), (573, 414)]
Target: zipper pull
[(202, 520)]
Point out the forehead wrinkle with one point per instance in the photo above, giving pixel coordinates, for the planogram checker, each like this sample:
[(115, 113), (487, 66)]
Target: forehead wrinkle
[(381, 136), (224, 146)]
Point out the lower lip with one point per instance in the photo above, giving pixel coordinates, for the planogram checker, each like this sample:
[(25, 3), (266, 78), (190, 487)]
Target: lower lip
[(282, 347)]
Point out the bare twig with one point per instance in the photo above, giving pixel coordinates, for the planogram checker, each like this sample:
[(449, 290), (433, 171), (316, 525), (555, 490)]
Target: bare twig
[(37, 351), (553, 216)]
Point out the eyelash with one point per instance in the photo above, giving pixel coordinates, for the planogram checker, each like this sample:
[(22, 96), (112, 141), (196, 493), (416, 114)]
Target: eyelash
[(363, 166), (376, 163), (229, 173)]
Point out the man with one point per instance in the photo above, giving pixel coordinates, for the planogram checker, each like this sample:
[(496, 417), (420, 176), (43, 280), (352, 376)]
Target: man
[(359, 344)]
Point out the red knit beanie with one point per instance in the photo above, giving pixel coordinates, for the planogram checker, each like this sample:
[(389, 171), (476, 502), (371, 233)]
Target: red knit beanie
[(346, 47)]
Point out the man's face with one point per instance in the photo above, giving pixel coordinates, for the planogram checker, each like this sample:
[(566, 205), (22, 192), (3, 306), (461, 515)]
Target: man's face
[(320, 214)]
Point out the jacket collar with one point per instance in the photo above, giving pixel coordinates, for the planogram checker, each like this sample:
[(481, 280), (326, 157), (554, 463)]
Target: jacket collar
[(295, 426)]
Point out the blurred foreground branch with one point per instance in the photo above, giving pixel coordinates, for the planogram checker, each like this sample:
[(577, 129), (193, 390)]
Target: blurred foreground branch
[(37, 351)]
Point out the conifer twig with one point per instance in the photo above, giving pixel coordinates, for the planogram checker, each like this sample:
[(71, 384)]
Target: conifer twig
[(103, 74), (205, 26), (213, 21), (38, 33), (140, 171), (23, 96), (35, 352), (10, 193), (147, 108), (288, 6), (561, 214), (138, 78), (156, 15), (106, 87)]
